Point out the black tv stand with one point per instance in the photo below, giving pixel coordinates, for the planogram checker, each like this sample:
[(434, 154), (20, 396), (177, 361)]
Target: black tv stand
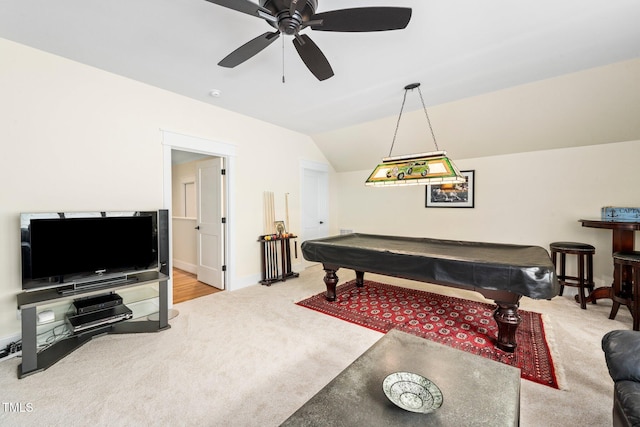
[(34, 361)]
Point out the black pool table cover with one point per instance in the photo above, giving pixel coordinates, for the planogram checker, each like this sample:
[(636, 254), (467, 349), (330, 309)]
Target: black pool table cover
[(523, 270)]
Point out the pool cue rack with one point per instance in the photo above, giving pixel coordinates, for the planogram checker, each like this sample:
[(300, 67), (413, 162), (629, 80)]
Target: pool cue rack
[(275, 253)]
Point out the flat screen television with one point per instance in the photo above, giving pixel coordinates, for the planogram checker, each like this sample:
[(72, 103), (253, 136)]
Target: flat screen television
[(82, 249)]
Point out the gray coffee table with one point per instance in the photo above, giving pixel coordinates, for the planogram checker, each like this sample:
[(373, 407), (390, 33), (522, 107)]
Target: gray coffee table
[(476, 391)]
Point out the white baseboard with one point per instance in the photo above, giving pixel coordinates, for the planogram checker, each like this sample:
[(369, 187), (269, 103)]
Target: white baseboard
[(5, 341), (254, 279), (245, 282), (185, 266), (238, 283)]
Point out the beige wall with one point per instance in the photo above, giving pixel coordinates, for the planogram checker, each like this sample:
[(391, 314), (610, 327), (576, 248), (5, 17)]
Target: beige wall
[(529, 198), (181, 174), (184, 235), (184, 243), (75, 138), (590, 107)]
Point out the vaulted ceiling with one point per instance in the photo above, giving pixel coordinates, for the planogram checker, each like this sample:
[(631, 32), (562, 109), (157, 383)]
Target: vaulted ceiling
[(497, 76)]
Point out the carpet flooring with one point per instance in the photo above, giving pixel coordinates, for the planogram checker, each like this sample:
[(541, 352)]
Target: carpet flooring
[(458, 323), (252, 357)]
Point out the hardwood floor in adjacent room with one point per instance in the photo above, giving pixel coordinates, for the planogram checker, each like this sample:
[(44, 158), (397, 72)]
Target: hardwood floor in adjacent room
[(186, 286)]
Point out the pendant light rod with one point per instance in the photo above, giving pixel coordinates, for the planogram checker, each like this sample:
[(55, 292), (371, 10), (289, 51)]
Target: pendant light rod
[(424, 107), (395, 133)]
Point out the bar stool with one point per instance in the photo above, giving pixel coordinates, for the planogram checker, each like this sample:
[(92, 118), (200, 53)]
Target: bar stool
[(584, 278), (620, 294)]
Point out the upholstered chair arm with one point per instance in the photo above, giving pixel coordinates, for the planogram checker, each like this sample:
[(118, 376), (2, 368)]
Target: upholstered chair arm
[(622, 354)]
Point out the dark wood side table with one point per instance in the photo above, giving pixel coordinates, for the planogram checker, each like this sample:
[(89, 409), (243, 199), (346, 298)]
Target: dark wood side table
[(623, 241)]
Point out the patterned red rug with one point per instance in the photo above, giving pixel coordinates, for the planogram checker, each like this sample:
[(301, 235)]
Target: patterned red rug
[(459, 323)]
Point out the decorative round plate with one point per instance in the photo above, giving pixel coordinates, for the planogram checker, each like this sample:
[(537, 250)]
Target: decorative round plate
[(412, 392)]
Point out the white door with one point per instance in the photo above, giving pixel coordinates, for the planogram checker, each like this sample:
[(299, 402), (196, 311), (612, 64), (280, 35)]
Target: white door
[(210, 239), (315, 209)]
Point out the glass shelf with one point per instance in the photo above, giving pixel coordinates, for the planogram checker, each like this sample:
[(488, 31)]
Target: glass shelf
[(142, 309), (51, 333), (142, 301), (141, 293)]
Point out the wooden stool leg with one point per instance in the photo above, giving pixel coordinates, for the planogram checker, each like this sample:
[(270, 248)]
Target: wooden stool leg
[(614, 292), (563, 259), (554, 260), (614, 310), (591, 283), (581, 281)]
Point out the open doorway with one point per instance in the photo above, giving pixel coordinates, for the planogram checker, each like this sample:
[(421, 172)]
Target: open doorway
[(197, 225), (314, 178), (221, 201)]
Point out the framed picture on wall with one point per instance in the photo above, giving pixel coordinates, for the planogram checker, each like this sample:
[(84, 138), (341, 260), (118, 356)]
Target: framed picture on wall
[(452, 195)]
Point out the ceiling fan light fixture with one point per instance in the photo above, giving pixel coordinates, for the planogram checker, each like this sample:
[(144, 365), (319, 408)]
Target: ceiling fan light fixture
[(415, 169), (290, 17)]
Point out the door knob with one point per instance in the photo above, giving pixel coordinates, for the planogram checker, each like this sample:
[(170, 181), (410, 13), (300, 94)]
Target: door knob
[(321, 222)]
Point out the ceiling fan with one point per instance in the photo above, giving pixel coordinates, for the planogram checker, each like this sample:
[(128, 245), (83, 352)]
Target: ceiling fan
[(292, 16)]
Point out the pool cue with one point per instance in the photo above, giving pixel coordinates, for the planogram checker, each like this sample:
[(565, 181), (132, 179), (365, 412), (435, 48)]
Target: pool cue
[(270, 260), (274, 251), (273, 257), (265, 207), (286, 210), (271, 214), (274, 264), (266, 260), (270, 268), (267, 216), (268, 212)]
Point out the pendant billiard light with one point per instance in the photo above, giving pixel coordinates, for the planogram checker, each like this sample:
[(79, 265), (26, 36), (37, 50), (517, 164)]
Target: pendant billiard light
[(415, 169)]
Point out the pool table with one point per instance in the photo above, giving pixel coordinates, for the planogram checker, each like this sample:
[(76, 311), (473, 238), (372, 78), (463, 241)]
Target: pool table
[(501, 272)]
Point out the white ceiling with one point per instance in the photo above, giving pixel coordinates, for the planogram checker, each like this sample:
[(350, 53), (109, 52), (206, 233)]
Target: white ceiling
[(457, 49)]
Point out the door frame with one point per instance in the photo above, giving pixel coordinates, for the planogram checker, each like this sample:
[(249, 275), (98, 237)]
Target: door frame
[(176, 141), (317, 167)]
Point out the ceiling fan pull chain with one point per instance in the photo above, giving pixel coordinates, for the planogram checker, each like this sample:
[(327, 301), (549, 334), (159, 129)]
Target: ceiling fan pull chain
[(283, 60)]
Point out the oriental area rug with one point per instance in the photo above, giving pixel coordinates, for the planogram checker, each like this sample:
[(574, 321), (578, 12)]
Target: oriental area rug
[(455, 322)]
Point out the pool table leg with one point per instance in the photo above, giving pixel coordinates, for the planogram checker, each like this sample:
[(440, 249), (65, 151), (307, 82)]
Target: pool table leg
[(331, 280), (359, 279), (507, 317)]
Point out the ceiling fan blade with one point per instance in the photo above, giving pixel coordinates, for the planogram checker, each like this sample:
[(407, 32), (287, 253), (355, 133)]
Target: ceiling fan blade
[(249, 49), (246, 6), (363, 19), (312, 57), (297, 5)]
